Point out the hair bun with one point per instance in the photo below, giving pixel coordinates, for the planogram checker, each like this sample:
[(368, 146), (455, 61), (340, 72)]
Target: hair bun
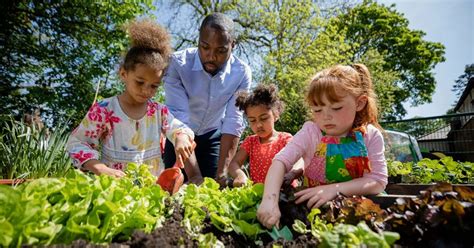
[(149, 34)]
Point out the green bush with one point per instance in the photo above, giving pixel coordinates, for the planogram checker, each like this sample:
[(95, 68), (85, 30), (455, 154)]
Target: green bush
[(433, 170)]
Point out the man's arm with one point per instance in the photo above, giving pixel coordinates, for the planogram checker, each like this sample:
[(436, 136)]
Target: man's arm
[(232, 128), (229, 145), (177, 102), (176, 98)]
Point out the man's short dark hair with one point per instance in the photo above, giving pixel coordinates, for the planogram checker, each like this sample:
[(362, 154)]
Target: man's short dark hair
[(220, 22)]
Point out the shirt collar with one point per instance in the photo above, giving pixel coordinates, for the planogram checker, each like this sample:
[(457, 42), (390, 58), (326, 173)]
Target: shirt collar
[(197, 62)]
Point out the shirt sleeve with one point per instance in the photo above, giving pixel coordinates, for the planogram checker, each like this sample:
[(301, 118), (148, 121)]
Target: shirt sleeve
[(171, 126), (177, 99), (299, 146), (233, 122), (246, 144), (85, 139), (376, 154), (286, 138)]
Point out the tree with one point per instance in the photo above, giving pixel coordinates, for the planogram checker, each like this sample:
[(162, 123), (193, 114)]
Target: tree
[(286, 42), (370, 26), (277, 39), (461, 83), (54, 52)]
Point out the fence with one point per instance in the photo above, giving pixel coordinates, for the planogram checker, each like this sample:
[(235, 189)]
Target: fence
[(452, 135)]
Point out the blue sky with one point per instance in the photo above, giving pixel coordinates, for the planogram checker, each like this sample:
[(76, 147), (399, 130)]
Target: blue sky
[(450, 22)]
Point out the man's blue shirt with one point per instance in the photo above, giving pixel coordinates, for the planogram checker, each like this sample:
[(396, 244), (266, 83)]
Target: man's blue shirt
[(202, 101)]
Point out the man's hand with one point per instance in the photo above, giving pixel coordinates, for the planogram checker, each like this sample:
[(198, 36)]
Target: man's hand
[(222, 180), (227, 151), (198, 180)]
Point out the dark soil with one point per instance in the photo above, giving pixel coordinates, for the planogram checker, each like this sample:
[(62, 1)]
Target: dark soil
[(171, 234)]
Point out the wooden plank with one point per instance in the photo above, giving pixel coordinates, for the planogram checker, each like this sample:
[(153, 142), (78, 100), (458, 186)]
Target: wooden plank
[(387, 200), (413, 189)]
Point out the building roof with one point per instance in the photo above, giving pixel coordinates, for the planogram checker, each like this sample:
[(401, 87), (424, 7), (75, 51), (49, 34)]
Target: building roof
[(441, 133)]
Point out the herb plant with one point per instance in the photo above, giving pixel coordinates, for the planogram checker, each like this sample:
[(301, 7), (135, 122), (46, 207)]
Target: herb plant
[(29, 152)]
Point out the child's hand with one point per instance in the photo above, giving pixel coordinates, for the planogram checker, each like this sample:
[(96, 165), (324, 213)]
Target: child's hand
[(221, 180), (316, 196), (184, 147), (113, 172), (292, 175), (240, 179), (268, 212), (99, 168)]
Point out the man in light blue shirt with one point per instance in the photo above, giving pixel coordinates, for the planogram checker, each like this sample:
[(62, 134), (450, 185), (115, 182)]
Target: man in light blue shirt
[(200, 87)]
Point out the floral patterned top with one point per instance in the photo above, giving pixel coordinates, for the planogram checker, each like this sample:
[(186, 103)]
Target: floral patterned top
[(261, 155), (107, 134)]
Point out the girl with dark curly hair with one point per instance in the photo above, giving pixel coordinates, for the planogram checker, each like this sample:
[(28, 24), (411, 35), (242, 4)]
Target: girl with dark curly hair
[(262, 108)]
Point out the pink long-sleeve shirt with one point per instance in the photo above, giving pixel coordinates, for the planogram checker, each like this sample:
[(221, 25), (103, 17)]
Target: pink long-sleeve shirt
[(304, 144)]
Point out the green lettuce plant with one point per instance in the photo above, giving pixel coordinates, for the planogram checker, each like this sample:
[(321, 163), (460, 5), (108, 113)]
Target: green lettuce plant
[(433, 170), (98, 209)]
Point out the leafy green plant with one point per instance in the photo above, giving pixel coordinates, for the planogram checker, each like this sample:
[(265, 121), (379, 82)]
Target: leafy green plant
[(432, 170), (344, 235), (230, 209), (29, 152), (98, 209), (442, 216), (397, 169)]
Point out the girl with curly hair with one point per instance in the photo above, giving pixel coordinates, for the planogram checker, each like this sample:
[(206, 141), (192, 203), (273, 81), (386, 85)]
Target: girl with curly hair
[(130, 127)]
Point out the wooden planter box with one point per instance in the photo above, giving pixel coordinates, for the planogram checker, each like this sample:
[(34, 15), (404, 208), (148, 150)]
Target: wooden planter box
[(13, 181), (414, 189), (404, 190), (386, 201)]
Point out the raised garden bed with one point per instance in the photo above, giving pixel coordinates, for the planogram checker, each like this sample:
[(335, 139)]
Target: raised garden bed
[(414, 189), (13, 181), (134, 212)]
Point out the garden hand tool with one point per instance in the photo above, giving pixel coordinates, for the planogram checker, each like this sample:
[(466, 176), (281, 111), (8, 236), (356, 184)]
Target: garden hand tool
[(172, 179)]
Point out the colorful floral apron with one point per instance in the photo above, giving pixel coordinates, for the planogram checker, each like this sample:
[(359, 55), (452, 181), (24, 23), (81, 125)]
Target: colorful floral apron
[(338, 159)]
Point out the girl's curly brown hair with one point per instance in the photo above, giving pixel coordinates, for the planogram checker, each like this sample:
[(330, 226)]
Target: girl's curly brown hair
[(263, 94), (150, 45)]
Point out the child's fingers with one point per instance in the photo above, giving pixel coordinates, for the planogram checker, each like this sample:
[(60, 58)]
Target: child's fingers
[(312, 201), (190, 150), (273, 221), (179, 159), (185, 154), (301, 197)]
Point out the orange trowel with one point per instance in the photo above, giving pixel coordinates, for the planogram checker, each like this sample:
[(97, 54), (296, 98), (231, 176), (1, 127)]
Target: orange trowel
[(172, 179)]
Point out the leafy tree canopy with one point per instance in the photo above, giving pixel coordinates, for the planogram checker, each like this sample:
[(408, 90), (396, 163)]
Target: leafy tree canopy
[(54, 52), (286, 42), (461, 83), (404, 53)]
